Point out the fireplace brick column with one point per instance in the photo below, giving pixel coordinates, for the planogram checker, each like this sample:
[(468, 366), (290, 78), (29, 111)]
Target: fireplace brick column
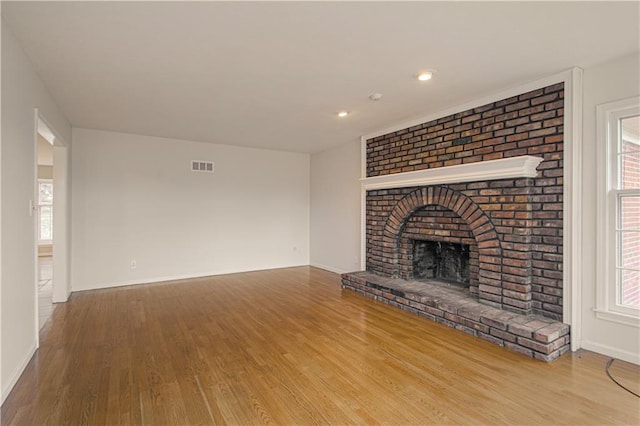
[(516, 230), (516, 223)]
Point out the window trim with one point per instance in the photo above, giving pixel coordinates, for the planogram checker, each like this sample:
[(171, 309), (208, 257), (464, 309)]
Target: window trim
[(608, 194), (39, 215)]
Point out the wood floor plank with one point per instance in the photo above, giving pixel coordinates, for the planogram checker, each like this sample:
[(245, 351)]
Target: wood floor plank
[(286, 347)]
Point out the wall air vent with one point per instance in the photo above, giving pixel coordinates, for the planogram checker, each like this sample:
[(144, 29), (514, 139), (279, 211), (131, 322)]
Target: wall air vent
[(202, 166)]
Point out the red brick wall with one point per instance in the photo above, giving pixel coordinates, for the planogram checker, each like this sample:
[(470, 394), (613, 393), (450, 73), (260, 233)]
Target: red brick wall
[(516, 223)]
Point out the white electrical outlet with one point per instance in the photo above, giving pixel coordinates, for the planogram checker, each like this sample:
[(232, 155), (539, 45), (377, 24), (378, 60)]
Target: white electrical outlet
[(134, 265)]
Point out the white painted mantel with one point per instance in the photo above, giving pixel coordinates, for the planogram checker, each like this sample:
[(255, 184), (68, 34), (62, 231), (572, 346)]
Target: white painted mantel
[(515, 167)]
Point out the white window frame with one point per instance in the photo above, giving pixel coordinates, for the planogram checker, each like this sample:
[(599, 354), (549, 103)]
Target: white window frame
[(609, 133), (41, 241)]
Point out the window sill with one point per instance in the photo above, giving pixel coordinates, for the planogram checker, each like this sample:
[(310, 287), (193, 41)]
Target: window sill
[(617, 317)]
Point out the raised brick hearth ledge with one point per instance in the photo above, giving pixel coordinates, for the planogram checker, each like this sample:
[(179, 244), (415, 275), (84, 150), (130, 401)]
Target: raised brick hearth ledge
[(532, 335)]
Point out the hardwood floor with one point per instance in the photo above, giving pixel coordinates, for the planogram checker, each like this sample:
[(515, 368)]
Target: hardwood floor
[(288, 347), (45, 289)]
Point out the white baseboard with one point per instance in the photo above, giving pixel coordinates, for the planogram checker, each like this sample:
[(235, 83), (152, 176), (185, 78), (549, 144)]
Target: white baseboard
[(6, 390), (178, 277), (328, 268), (631, 357)]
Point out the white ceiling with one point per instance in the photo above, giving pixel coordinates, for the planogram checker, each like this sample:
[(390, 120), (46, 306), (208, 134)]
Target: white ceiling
[(273, 74)]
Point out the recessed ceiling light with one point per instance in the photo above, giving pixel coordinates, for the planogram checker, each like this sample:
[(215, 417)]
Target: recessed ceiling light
[(375, 96), (425, 75), (342, 114)]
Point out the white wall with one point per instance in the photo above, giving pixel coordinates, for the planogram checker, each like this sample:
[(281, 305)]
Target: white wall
[(22, 91), (135, 198), (45, 152), (45, 172), (61, 223), (604, 83), (335, 208)]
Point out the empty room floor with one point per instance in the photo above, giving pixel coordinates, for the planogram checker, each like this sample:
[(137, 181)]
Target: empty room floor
[(289, 346), (45, 289)]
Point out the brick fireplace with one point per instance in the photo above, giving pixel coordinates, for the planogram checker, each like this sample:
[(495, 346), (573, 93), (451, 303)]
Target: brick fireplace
[(487, 182)]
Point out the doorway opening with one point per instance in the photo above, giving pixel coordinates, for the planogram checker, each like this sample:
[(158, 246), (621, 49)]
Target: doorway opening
[(44, 221)]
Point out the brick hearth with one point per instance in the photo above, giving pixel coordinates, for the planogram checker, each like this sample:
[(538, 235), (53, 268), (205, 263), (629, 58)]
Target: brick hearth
[(532, 335)]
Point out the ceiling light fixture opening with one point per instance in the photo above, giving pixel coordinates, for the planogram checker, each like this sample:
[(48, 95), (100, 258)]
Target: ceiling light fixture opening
[(343, 114), (425, 75)]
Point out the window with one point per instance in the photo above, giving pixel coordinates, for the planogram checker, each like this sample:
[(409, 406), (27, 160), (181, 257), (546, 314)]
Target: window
[(45, 210), (628, 213), (619, 211)]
